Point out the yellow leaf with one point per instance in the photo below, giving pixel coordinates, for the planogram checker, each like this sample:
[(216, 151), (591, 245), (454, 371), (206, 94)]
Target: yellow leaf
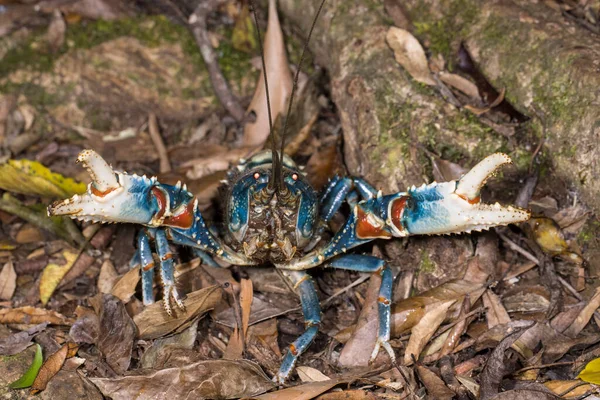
[(32, 178), (591, 372), (53, 274)]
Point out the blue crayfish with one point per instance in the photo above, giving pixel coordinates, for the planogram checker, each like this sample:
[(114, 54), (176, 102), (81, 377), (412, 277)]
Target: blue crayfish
[(273, 215)]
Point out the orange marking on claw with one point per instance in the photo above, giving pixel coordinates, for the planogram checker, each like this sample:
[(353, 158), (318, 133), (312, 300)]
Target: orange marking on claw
[(167, 256), (99, 193), (184, 219), (161, 199), (397, 211), (475, 200), (364, 228), (293, 349)]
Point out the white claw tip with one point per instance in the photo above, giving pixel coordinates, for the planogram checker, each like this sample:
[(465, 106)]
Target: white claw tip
[(470, 184), (103, 176)]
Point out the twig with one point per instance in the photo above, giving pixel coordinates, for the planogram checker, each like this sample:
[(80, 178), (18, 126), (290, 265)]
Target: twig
[(556, 364), (534, 259), (197, 23), (165, 165), (323, 303), (342, 290)]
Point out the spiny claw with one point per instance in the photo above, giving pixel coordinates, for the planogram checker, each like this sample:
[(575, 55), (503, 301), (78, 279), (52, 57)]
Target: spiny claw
[(103, 177), (471, 183), (110, 197), (455, 206)]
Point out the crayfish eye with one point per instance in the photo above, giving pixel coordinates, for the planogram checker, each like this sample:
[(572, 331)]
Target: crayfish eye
[(410, 203), (256, 175)]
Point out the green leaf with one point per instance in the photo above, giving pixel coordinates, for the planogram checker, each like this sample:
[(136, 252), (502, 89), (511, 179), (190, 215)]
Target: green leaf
[(32, 178), (591, 372), (28, 377)]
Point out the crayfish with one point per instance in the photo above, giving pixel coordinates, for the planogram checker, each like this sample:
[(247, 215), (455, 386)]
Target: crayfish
[(274, 216)]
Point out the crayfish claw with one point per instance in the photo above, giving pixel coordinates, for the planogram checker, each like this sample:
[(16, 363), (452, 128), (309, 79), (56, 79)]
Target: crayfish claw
[(471, 183)]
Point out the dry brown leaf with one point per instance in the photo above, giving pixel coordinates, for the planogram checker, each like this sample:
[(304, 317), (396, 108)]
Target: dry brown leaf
[(266, 332), (87, 326), (154, 322), (436, 388), (584, 316), (29, 234), (261, 310), (348, 395), (235, 346), (496, 367), (410, 54), (278, 73), (444, 171), (246, 294), (308, 374), (117, 332), (8, 281), (107, 277), (81, 265), (221, 160), (357, 351), (155, 356), (51, 366), (306, 391), (525, 394), (424, 329), (17, 342), (496, 314), (457, 330), (462, 84), (124, 288), (561, 387), (211, 379), (32, 315), (407, 313)]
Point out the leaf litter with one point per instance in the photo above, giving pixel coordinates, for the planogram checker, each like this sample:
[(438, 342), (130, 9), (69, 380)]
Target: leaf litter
[(454, 336)]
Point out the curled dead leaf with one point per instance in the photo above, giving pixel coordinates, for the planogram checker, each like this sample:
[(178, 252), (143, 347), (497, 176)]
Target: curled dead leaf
[(436, 388), (154, 322), (32, 315), (210, 379), (17, 342), (117, 333), (51, 366), (124, 287), (584, 316), (424, 329), (462, 84)]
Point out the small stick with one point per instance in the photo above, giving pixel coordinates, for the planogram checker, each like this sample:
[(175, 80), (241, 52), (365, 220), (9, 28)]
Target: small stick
[(165, 165), (197, 23), (534, 259)]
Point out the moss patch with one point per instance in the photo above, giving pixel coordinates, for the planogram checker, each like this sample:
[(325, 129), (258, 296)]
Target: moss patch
[(440, 34), (35, 55)]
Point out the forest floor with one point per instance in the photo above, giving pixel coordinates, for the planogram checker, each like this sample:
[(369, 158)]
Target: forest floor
[(510, 313)]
